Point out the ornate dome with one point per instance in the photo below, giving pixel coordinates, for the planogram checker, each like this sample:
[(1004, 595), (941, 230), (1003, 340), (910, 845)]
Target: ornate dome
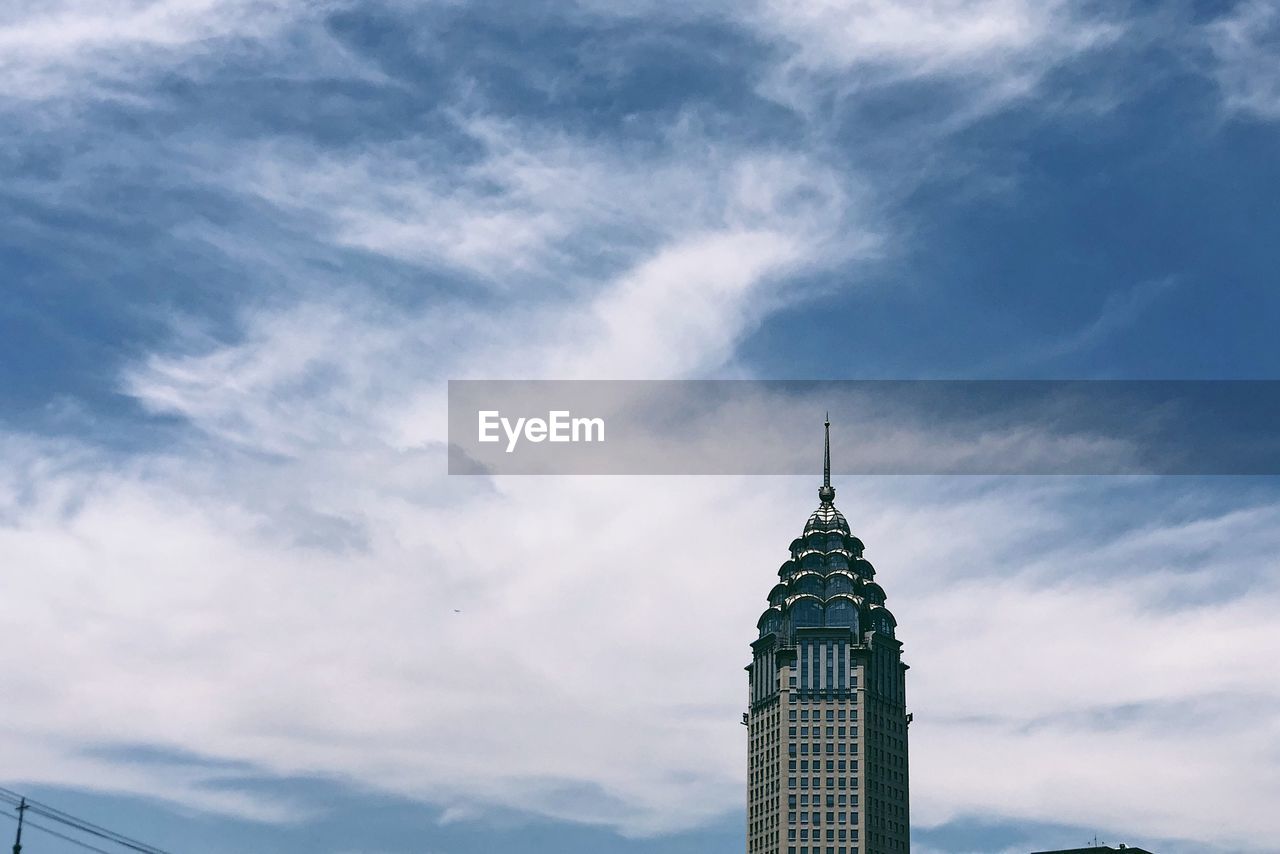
[(827, 582), (826, 518)]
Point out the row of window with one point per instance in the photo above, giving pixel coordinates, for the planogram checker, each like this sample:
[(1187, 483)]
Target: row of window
[(832, 782), (832, 731), (832, 714), (842, 834), (832, 765), (816, 817), (832, 747), (832, 800)]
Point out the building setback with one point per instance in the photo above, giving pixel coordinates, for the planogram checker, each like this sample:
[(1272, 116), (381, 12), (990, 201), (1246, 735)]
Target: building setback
[(1095, 849), (827, 723)]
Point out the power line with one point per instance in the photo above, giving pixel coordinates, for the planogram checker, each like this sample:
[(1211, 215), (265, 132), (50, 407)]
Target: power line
[(61, 836), (82, 825)]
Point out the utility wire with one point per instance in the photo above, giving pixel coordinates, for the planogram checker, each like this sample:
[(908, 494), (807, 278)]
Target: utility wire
[(63, 837), (82, 825)]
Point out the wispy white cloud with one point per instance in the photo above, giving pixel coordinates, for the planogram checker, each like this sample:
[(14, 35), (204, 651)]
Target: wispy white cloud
[(206, 593), (539, 204), (998, 50), (1244, 44), (71, 47), (978, 39)]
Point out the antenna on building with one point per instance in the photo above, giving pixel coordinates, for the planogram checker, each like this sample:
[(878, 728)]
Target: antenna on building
[(826, 494)]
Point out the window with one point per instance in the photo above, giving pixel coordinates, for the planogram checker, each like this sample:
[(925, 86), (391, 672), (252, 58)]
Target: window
[(807, 612), (840, 612)]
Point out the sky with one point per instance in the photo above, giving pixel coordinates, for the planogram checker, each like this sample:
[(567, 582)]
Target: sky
[(244, 244)]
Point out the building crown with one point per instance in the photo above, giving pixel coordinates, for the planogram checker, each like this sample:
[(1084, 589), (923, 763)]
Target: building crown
[(827, 582)]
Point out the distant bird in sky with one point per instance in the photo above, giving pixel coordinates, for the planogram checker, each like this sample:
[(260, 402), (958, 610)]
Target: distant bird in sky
[(457, 611)]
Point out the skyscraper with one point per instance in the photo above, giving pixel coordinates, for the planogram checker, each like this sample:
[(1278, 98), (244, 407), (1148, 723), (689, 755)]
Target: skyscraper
[(827, 725)]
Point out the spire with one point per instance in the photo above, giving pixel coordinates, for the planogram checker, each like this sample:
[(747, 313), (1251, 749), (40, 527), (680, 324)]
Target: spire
[(826, 494)]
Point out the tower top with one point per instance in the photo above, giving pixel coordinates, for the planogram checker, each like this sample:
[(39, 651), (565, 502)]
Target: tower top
[(826, 494)]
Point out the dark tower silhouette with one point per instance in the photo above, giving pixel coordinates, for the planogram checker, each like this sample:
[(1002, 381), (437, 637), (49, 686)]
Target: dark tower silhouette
[(827, 723)]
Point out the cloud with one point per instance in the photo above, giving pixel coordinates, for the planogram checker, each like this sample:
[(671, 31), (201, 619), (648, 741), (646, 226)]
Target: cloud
[(1243, 44), (700, 243), (592, 672), (540, 207), (998, 49), (941, 37), (280, 586), (73, 46)]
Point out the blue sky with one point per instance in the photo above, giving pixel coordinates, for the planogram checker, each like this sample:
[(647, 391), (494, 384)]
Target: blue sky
[(245, 244)]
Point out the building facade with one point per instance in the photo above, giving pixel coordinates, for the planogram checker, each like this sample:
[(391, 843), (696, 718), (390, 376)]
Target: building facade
[(827, 722)]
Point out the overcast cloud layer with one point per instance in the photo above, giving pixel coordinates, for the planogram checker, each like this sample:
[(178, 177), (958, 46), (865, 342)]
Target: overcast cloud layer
[(246, 244)]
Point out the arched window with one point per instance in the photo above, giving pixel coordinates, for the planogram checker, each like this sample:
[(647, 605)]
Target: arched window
[(841, 612), (806, 613), (809, 584), (839, 584)]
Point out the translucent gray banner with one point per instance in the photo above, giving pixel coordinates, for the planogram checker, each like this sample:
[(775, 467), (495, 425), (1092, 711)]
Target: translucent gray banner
[(723, 427)]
